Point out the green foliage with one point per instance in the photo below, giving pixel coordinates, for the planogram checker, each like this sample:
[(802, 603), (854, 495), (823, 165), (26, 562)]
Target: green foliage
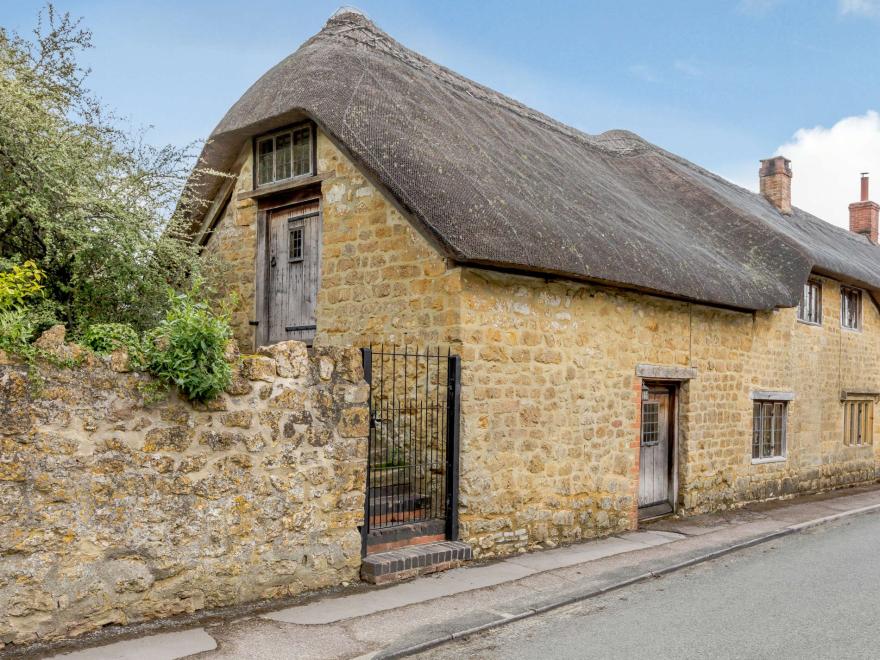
[(188, 347), (104, 338), (82, 199), (24, 312), (20, 283), (17, 331)]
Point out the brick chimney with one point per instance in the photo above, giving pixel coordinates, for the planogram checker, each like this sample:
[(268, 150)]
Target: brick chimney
[(864, 214), (775, 176)]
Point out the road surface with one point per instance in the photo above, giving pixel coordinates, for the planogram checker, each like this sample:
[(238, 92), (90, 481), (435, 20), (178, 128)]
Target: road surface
[(809, 595)]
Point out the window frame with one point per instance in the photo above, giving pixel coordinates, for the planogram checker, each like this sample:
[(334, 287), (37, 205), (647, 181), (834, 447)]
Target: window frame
[(810, 285), (758, 427), (863, 407), (296, 226), (290, 130), (845, 292)]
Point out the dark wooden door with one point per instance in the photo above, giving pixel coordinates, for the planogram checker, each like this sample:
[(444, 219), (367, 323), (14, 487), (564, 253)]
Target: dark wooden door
[(294, 273), (657, 441)]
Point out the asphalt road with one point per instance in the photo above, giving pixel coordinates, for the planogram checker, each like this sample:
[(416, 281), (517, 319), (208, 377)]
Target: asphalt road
[(809, 595)]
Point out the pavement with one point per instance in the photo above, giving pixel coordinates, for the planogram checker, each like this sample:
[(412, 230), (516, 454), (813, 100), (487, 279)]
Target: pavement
[(425, 613), (812, 595)]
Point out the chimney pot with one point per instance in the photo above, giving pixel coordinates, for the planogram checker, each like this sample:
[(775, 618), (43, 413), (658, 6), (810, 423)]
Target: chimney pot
[(775, 177), (864, 215)]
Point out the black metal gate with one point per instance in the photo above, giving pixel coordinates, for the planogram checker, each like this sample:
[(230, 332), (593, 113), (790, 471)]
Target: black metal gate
[(412, 459)]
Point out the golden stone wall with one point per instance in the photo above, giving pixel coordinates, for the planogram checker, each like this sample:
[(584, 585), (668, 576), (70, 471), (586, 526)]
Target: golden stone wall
[(551, 404), (381, 280), (114, 511), (232, 248)]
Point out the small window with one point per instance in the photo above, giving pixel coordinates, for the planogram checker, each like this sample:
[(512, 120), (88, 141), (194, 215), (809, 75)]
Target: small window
[(850, 308), (769, 428), (295, 242), (284, 155), (810, 307), (650, 423), (858, 422)]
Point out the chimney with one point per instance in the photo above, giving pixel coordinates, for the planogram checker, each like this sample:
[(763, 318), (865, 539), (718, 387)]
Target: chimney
[(775, 176), (864, 214)]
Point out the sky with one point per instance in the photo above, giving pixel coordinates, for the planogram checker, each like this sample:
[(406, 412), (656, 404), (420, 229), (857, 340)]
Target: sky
[(722, 83)]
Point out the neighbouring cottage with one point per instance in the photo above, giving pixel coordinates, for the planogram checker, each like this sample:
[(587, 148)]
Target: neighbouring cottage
[(637, 335)]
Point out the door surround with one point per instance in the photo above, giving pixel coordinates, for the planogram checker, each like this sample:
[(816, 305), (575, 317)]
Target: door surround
[(673, 378)]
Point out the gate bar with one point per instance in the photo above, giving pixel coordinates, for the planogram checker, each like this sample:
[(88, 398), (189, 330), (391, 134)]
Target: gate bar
[(453, 405)]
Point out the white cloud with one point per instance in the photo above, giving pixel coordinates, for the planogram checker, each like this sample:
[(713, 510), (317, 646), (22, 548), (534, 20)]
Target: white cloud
[(859, 7), (826, 163)]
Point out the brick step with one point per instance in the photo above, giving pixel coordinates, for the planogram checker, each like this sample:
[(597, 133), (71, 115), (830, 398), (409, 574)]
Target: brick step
[(404, 563)]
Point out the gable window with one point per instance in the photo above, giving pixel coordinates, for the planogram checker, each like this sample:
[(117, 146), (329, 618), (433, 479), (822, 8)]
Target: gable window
[(284, 155), (768, 431), (810, 308), (858, 422), (850, 308)]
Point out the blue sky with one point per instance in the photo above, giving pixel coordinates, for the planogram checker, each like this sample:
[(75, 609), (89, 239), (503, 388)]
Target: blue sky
[(721, 83)]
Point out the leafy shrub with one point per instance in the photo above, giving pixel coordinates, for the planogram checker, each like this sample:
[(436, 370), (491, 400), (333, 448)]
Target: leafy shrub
[(188, 347), (24, 311), (17, 331), (18, 284), (104, 338)]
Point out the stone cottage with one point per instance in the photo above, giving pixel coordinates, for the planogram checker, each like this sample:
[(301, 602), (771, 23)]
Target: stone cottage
[(637, 335)]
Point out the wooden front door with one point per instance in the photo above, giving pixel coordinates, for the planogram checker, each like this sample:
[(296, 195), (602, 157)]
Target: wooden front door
[(656, 450), (294, 270)]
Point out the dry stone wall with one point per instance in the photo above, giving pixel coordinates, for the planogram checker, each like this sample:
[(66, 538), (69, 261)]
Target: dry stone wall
[(113, 511)]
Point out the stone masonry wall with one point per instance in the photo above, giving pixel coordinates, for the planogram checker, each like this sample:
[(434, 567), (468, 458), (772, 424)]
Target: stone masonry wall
[(369, 253), (381, 280), (113, 511), (550, 405), (232, 246)]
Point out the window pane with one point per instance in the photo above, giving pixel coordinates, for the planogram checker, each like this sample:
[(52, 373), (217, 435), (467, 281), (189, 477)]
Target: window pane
[(296, 244), (778, 428), (302, 151), (756, 431), (282, 156), (264, 164), (767, 430)]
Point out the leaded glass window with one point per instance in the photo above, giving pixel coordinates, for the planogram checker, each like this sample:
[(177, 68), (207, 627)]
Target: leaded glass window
[(858, 422), (850, 308), (284, 155), (768, 429), (810, 307)]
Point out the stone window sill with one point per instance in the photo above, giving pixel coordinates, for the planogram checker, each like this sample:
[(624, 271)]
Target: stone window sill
[(772, 459)]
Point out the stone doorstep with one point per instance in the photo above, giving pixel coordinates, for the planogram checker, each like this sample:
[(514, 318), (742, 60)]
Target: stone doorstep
[(404, 563)]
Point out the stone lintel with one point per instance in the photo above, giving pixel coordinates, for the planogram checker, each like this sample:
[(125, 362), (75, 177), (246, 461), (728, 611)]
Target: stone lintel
[(771, 395), (846, 395), (665, 372)]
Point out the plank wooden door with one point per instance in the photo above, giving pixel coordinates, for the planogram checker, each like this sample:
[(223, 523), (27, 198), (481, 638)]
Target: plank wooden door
[(294, 256), (655, 452)]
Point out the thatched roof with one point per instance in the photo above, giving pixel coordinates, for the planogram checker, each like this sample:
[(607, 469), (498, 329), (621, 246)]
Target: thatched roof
[(496, 183)]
